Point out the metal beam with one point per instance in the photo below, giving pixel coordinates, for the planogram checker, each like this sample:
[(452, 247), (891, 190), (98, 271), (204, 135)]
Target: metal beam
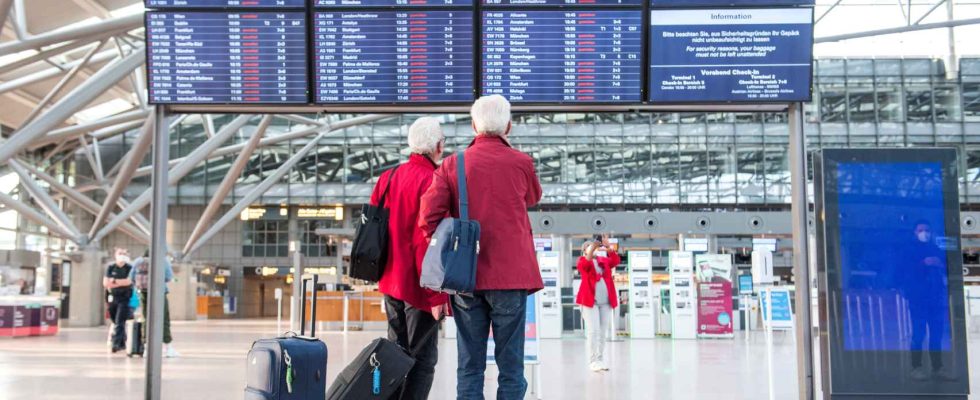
[(82, 201), (39, 107), (931, 9), (47, 203), (70, 104), (234, 172), (254, 194), (96, 169), (28, 212), (300, 133), (901, 29), (43, 55), (133, 160), (58, 70), (98, 30), (831, 8), (20, 20), (74, 131), (137, 219), (186, 165), (4, 12)]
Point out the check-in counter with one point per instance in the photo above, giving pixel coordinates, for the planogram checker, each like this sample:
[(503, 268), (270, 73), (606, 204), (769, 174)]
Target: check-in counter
[(22, 316), (363, 308), (211, 307)]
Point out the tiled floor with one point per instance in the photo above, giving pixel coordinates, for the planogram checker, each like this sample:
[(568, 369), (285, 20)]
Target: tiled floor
[(76, 365)]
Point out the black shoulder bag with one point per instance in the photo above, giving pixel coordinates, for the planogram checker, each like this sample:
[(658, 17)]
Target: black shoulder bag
[(369, 253)]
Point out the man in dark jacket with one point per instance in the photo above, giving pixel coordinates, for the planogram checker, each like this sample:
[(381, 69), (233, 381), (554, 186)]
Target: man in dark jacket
[(412, 311), (502, 184), (120, 287)]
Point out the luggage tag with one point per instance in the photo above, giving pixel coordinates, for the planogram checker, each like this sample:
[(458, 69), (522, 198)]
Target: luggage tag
[(375, 375), (289, 372)]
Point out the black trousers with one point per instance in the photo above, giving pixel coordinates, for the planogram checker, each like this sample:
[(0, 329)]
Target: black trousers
[(407, 326), (119, 312)]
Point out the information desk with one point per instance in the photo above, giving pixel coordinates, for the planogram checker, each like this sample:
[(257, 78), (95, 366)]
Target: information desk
[(211, 307), (394, 56), (226, 57), (591, 56), (361, 307)]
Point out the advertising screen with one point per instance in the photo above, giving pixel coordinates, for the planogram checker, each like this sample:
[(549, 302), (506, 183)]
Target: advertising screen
[(730, 55), (393, 56), (571, 56), (890, 271), (226, 57)]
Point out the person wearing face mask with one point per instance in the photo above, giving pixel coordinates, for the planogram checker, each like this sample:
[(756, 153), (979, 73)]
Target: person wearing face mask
[(597, 296), (120, 287), (926, 293)]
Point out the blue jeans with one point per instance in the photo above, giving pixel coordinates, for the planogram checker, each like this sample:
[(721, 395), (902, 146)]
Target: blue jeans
[(475, 314)]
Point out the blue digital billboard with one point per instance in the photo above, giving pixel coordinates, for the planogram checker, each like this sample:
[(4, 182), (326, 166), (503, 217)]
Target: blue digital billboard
[(730, 55)]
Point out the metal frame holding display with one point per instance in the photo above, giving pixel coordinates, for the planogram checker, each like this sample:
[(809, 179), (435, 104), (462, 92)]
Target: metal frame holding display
[(877, 365)]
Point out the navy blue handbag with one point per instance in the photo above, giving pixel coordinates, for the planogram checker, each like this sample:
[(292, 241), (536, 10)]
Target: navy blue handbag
[(449, 265)]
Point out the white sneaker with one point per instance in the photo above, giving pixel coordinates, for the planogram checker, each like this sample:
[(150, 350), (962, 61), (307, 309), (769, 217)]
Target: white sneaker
[(595, 367), (170, 352)]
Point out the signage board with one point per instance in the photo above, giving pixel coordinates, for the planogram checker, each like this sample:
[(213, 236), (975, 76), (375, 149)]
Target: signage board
[(782, 312), (714, 277), (730, 55), (532, 346)]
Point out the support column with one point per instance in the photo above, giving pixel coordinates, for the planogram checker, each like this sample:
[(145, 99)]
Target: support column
[(158, 254), (801, 268), (183, 293), (86, 301)]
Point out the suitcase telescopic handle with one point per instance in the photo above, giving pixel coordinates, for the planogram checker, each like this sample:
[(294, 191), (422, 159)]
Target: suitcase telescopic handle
[(302, 325)]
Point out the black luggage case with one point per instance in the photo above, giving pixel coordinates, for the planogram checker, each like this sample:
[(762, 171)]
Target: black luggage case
[(136, 338), (289, 367), (382, 359)]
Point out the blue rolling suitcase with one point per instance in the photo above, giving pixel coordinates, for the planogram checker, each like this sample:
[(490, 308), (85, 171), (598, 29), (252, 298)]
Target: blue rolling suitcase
[(290, 367)]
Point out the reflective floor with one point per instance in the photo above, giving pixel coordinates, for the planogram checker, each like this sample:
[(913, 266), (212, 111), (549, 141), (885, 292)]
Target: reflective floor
[(76, 365)]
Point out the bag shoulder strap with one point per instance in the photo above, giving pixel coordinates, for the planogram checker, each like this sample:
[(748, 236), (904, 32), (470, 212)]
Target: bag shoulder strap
[(384, 195), (464, 201)]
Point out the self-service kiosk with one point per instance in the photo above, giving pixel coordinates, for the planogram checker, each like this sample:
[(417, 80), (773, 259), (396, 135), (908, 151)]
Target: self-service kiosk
[(550, 324), (642, 313), (683, 296)]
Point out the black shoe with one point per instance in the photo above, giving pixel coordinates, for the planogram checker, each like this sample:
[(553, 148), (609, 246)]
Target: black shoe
[(116, 349)]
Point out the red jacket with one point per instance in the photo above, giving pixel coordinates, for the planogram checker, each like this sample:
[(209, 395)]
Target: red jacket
[(586, 292), (501, 184), (406, 243)]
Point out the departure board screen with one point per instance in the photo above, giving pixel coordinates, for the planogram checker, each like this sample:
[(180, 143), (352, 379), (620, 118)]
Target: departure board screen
[(394, 56), (226, 57), (392, 3), (590, 3), (225, 3), (569, 56)]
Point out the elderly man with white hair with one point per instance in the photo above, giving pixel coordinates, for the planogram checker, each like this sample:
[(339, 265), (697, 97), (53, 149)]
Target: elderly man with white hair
[(412, 311), (501, 184)]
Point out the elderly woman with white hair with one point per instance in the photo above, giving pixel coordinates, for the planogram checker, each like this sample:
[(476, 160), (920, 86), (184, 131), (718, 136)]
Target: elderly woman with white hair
[(412, 311), (501, 185)]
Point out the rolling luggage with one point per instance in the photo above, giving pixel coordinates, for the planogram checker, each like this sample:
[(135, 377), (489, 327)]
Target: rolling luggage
[(290, 367), (378, 372), (135, 334)]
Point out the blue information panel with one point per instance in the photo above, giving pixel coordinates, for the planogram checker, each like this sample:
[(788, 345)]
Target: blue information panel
[(226, 58), (727, 3), (573, 56), (225, 3), (590, 3), (730, 55), (392, 3), (394, 56)]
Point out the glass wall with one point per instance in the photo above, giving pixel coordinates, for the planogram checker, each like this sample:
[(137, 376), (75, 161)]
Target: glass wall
[(641, 159)]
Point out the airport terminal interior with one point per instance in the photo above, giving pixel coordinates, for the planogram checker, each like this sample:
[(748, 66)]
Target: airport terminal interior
[(792, 188)]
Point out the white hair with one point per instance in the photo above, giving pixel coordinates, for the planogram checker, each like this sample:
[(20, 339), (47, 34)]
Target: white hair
[(424, 135), (491, 115)]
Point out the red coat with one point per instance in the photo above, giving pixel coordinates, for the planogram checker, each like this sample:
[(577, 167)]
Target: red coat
[(586, 292), (501, 184), (406, 243)]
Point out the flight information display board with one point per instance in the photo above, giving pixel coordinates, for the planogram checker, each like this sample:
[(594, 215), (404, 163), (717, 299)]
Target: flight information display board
[(569, 56), (226, 57), (392, 3), (730, 55), (394, 56), (225, 3), (590, 3)]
